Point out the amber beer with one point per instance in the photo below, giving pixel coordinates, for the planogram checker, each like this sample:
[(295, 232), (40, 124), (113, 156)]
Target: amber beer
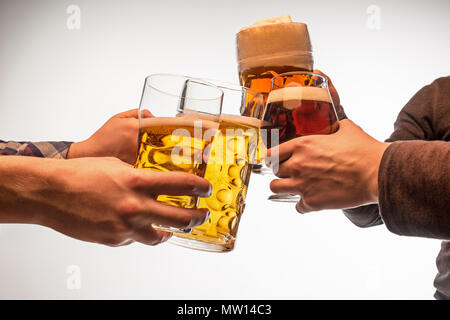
[(175, 144), (298, 111), (259, 78), (228, 170)]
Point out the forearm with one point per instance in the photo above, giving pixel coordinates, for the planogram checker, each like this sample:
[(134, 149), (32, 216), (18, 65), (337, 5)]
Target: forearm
[(26, 186)]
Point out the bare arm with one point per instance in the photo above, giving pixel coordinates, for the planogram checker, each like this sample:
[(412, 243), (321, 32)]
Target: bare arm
[(101, 200)]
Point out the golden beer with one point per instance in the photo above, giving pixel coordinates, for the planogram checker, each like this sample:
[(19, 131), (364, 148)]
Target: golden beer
[(228, 170), (175, 144)]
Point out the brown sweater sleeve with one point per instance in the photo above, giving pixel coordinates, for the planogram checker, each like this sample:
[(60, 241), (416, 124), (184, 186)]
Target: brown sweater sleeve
[(414, 188), (409, 169)]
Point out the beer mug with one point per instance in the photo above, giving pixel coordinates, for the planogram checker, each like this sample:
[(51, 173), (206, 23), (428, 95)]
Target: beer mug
[(174, 138), (234, 147), (268, 48), (299, 104)]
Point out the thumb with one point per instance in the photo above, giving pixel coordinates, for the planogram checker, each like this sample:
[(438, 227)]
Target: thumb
[(134, 113)]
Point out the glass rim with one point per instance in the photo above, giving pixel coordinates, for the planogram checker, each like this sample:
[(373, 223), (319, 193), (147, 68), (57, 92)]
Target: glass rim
[(291, 73), (229, 85), (226, 85), (204, 82)]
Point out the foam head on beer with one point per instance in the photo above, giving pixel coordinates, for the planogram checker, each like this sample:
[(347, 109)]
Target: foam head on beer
[(270, 47), (274, 41)]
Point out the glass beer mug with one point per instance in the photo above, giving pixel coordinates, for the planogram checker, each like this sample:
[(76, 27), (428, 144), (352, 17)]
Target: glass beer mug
[(234, 147), (171, 141)]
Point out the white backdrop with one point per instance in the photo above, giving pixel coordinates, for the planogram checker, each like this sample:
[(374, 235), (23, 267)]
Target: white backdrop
[(58, 82)]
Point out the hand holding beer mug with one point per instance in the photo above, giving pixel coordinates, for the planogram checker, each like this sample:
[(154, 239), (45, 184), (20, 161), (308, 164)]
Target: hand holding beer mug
[(299, 104), (175, 139), (228, 170)]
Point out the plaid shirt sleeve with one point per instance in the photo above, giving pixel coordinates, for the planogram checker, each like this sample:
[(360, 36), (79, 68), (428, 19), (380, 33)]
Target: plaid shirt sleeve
[(50, 149)]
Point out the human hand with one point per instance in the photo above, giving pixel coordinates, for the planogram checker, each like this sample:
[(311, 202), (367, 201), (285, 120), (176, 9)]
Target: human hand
[(334, 96), (333, 171), (118, 137), (107, 201)]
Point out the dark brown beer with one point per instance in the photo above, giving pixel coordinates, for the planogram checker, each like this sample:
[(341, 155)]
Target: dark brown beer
[(300, 111)]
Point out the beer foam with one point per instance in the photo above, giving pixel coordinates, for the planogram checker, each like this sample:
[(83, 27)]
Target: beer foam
[(274, 42), (187, 113), (299, 93), (262, 22), (178, 122), (248, 121)]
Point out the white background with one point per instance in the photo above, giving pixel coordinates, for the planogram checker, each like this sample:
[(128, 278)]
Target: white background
[(62, 84)]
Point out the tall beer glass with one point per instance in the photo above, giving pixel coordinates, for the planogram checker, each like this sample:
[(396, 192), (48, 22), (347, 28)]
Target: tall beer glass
[(299, 104), (267, 49), (234, 147), (168, 141)]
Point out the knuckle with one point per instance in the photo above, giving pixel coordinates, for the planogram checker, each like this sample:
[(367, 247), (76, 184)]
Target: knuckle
[(134, 179), (297, 164), (129, 206), (114, 241), (299, 143), (312, 202), (155, 241), (184, 220)]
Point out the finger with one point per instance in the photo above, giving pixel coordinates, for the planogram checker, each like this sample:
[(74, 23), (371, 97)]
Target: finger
[(134, 113), (150, 211), (332, 89), (171, 216), (283, 170), (128, 114), (287, 185), (146, 114), (320, 72), (302, 207), (150, 236), (281, 152), (173, 183), (323, 74)]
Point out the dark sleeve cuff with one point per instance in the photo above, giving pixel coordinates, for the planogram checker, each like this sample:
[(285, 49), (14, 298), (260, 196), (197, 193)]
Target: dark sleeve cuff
[(364, 216)]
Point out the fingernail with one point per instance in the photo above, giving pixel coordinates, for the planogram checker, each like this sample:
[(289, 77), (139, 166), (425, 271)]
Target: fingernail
[(208, 214), (202, 193), (210, 190)]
